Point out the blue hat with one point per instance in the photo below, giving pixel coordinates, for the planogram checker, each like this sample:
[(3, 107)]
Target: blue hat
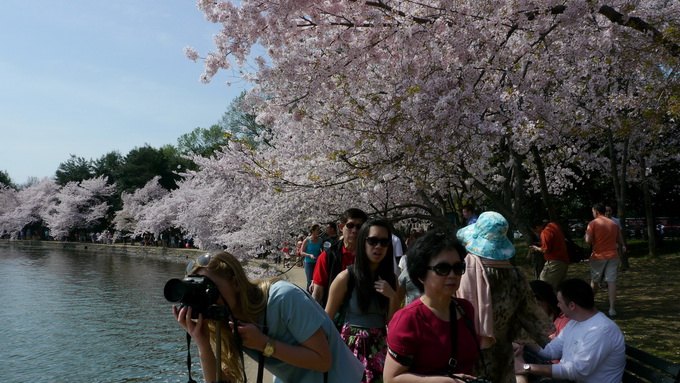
[(487, 237)]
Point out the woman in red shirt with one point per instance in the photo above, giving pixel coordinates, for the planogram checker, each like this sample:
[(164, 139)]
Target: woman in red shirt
[(433, 335)]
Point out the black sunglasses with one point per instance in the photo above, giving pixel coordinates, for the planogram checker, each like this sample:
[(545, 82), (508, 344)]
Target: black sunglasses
[(352, 225), (374, 241), (444, 269), (202, 261)]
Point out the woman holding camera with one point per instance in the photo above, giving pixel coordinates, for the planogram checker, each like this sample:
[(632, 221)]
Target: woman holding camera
[(277, 322), (433, 339), (367, 292)]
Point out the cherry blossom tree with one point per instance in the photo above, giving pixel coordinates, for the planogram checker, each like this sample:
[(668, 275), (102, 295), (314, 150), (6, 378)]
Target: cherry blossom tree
[(78, 206), (28, 205), (433, 102)]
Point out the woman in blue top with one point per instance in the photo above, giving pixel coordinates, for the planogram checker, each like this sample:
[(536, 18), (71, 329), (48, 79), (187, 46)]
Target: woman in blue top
[(310, 250), (370, 284), (275, 319)]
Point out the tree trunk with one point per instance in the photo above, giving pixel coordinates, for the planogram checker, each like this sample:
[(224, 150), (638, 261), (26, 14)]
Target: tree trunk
[(545, 195), (620, 183), (649, 216)]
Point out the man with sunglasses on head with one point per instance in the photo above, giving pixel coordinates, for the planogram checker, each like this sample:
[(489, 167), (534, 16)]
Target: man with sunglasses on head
[(336, 259)]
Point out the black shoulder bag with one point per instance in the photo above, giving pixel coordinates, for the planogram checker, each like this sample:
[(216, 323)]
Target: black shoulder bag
[(453, 307)]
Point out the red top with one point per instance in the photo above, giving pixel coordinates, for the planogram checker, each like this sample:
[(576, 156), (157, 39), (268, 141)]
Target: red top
[(416, 331), (554, 244), (321, 268)]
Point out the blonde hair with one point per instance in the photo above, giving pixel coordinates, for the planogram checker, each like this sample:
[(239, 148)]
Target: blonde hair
[(251, 298)]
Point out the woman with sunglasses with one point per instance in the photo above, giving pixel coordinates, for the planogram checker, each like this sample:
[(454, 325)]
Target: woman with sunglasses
[(433, 339), (276, 321), (368, 287)]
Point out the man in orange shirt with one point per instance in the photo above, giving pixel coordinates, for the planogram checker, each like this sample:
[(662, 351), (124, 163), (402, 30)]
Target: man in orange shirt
[(605, 237), (554, 250)]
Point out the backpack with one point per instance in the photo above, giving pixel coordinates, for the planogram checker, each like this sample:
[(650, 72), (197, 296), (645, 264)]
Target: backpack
[(339, 319), (576, 253)]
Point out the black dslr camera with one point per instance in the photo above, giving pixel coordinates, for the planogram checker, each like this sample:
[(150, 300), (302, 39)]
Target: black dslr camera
[(198, 292)]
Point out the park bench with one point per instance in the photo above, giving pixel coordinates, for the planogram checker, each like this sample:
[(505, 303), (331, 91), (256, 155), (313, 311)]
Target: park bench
[(642, 367)]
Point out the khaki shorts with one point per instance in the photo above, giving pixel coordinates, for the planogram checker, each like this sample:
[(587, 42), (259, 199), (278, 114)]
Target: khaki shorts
[(554, 272), (604, 270)]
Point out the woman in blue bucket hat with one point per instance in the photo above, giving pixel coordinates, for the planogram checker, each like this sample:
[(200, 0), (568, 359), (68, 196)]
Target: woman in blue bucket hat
[(505, 308)]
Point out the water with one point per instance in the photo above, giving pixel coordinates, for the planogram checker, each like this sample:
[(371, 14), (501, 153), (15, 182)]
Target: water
[(79, 316)]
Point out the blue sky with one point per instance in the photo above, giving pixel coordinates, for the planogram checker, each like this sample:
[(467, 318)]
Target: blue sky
[(88, 77)]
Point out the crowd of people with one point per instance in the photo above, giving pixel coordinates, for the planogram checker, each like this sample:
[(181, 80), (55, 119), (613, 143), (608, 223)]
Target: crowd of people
[(453, 308)]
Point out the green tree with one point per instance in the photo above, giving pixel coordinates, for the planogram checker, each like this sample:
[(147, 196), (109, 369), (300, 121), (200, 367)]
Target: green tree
[(203, 142), (108, 165), (6, 179), (241, 123), (141, 165), (74, 169)]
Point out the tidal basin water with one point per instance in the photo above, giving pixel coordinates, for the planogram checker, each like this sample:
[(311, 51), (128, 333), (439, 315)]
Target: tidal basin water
[(80, 316)]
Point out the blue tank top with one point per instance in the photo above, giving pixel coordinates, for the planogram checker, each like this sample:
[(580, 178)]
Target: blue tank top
[(313, 248)]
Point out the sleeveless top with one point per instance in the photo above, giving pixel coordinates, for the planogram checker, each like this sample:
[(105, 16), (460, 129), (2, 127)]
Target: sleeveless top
[(314, 249), (373, 318)]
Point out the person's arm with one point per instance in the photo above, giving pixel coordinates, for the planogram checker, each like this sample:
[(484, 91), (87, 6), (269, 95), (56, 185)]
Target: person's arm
[(621, 242), (312, 354), (303, 247), (589, 235), (394, 372), (320, 279), (317, 292), (337, 293)]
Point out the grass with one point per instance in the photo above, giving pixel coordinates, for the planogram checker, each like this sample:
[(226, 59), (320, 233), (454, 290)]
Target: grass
[(648, 298)]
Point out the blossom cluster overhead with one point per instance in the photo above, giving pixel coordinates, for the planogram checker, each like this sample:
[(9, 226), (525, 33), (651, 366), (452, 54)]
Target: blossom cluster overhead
[(407, 109)]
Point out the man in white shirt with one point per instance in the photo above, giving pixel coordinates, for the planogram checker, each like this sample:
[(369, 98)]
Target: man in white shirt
[(591, 347)]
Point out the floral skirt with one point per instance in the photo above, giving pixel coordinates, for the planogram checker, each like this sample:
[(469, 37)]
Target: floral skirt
[(370, 347)]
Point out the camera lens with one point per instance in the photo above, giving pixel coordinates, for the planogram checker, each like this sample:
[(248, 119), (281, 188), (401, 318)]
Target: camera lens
[(174, 290)]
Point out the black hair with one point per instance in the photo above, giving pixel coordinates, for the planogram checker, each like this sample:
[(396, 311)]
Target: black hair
[(365, 281), (543, 291), (599, 207), (421, 252), (577, 291), (332, 225), (354, 214), (542, 222)]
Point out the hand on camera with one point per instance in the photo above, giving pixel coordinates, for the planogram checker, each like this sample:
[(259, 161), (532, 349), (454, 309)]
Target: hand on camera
[(197, 330)]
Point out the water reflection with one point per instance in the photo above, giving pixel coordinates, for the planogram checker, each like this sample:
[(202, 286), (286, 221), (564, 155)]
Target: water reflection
[(72, 315)]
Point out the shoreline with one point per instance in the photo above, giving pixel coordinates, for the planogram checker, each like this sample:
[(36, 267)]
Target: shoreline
[(161, 253)]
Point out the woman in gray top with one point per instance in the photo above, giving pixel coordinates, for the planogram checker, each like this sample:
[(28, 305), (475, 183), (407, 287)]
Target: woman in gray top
[(365, 295)]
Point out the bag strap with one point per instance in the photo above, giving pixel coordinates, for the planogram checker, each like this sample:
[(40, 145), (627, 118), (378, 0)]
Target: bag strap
[(471, 327), (453, 321), (351, 281)]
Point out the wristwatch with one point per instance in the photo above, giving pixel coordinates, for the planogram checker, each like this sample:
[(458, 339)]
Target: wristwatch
[(269, 348), (527, 367)]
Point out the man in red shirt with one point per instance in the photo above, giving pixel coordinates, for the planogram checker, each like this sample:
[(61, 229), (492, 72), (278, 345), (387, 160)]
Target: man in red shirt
[(605, 237), (554, 249), (332, 261)]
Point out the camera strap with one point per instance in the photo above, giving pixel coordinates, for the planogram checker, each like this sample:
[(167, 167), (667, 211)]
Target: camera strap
[(189, 358), (260, 362)]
